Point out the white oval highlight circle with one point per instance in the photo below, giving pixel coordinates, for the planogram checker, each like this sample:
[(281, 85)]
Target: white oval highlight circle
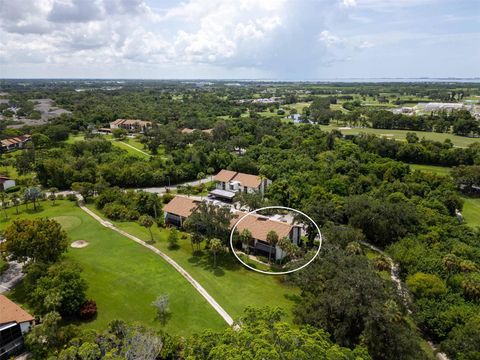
[(279, 272)]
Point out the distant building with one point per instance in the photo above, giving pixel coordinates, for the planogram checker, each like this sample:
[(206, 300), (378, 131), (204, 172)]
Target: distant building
[(6, 183), (14, 324), (180, 208), (228, 183), (131, 125), (436, 106), (189, 131), (14, 143)]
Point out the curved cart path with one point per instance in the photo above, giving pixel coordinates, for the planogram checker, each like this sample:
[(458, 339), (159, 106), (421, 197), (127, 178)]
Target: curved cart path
[(228, 319)]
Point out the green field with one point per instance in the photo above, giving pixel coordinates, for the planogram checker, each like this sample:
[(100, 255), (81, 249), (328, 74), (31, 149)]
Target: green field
[(439, 170), (124, 277), (120, 144), (232, 285), (459, 141), (471, 211)]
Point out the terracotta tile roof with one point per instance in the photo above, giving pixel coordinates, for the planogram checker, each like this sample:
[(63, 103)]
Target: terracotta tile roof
[(248, 180), (15, 140), (10, 312), (181, 206), (225, 175), (260, 226), (131, 122), (189, 131), (3, 179)]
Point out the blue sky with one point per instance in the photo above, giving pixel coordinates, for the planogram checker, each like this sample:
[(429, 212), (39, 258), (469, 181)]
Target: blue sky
[(268, 39)]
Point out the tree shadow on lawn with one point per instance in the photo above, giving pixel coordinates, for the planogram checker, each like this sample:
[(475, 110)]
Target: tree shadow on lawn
[(224, 261)]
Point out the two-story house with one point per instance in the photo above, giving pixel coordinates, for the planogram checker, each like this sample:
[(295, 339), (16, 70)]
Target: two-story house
[(14, 324), (131, 125), (228, 183), (180, 208)]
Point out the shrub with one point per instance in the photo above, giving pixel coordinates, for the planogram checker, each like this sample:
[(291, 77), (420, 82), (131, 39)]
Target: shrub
[(88, 310), (167, 197), (426, 285), (71, 197), (116, 211), (13, 189), (60, 197), (381, 263)]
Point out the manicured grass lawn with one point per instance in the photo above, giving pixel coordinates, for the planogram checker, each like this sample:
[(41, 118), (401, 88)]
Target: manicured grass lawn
[(232, 285), (124, 277), (439, 170), (459, 141), (471, 211)]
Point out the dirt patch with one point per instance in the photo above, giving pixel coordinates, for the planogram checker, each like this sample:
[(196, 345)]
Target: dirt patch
[(79, 244)]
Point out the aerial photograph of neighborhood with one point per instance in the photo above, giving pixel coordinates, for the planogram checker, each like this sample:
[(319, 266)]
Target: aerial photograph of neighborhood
[(240, 179)]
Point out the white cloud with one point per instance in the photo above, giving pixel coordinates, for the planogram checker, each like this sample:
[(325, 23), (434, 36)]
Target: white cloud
[(329, 39), (349, 3)]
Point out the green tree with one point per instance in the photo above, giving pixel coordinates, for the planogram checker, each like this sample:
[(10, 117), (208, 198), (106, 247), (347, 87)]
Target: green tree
[(173, 239), (147, 222), (246, 239), (272, 239), (65, 281), (216, 246), (162, 306), (427, 285), (119, 134), (53, 191), (41, 240), (32, 194)]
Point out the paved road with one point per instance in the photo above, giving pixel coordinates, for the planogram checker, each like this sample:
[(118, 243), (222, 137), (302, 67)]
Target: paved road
[(161, 190), (228, 319), (11, 276)]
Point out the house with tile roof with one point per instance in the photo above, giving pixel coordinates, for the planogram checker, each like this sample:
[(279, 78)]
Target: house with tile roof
[(228, 183), (6, 183), (14, 143), (131, 125), (14, 323), (180, 208)]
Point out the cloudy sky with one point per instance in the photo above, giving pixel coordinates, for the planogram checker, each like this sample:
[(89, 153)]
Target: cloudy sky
[(269, 39)]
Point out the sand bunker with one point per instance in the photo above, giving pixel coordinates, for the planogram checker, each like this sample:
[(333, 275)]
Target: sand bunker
[(79, 244)]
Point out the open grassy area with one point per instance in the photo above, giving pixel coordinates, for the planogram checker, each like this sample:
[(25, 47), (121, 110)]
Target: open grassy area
[(124, 277), (232, 285), (439, 170), (459, 141), (471, 211)]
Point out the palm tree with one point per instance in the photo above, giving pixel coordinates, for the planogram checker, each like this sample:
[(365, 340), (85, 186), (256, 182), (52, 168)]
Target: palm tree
[(215, 247), (147, 222), (272, 239), (154, 202), (246, 239)]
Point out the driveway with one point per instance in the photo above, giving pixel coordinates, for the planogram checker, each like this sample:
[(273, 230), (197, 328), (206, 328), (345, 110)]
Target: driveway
[(11, 277), (161, 190)]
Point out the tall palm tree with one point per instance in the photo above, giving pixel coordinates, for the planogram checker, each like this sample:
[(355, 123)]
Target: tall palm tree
[(272, 239), (215, 247)]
